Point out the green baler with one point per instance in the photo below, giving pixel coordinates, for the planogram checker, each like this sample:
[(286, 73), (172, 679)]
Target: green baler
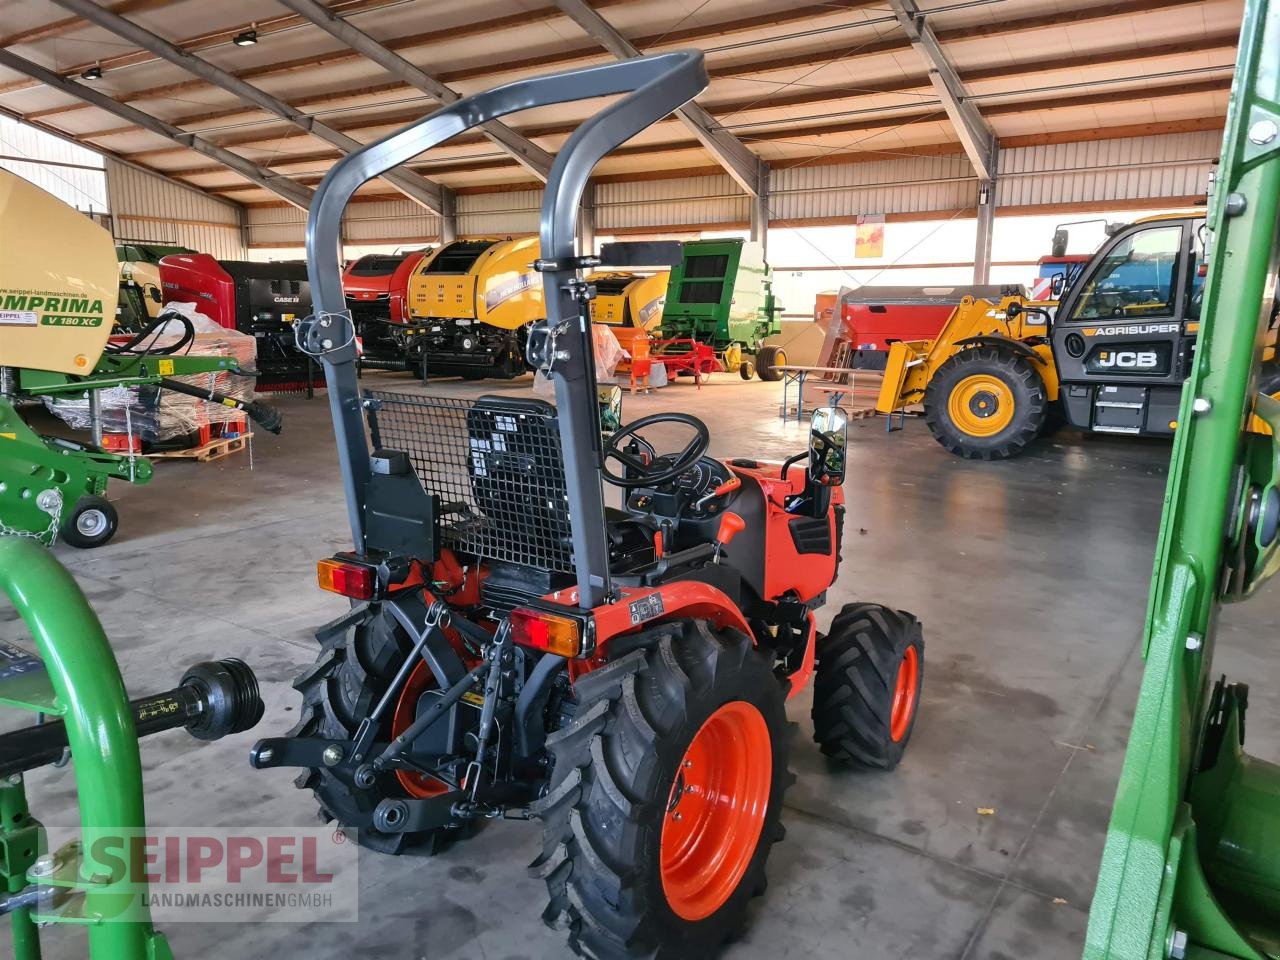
[(1191, 867), (721, 296)]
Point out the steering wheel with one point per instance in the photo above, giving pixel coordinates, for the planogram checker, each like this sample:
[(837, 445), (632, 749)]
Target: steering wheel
[(649, 474)]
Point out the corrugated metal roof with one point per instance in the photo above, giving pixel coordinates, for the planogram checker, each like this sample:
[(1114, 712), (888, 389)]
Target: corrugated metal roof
[(794, 81)]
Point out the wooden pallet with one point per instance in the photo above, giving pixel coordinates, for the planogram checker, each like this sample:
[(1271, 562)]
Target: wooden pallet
[(213, 450)]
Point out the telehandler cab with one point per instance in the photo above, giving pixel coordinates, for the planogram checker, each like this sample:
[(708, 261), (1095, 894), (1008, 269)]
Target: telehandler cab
[(516, 648), (1109, 356)]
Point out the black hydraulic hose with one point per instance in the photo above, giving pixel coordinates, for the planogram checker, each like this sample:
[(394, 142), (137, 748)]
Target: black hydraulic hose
[(263, 414), (213, 700), (151, 331)]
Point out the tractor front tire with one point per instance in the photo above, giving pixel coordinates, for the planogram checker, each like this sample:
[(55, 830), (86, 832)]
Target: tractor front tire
[(985, 403), (350, 676), (636, 861), (768, 359), (866, 689), (91, 523)]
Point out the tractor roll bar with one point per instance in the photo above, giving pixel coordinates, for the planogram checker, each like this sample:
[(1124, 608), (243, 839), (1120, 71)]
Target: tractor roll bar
[(654, 87)]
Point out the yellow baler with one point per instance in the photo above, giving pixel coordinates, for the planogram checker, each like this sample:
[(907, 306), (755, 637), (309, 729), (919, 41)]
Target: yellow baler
[(630, 304), (470, 305)]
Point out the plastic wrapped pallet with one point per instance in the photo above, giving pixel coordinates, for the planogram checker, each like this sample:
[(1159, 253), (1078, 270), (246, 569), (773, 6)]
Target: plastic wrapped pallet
[(161, 418), (609, 353)]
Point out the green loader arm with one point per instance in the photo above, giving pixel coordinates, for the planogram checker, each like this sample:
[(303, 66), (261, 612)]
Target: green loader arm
[(1191, 866), (125, 371)]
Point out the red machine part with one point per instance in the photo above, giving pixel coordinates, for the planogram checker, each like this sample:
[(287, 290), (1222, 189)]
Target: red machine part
[(786, 572), (363, 286), (786, 569), (198, 278)]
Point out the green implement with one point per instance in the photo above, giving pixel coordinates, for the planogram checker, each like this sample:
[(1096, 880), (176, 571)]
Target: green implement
[(52, 484), (80, 682), (73, 683), (721, 295), (1191, 866)]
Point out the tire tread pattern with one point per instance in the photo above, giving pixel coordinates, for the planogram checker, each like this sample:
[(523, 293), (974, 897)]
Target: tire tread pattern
[(608, 793), (854, 683)]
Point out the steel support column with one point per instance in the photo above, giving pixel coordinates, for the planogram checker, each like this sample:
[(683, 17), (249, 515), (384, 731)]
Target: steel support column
[(986, 223), (760, 213)]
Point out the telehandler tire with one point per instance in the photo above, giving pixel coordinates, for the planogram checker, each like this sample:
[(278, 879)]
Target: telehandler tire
[(866, 688), (351, 674), (985, 403), (636, 862)]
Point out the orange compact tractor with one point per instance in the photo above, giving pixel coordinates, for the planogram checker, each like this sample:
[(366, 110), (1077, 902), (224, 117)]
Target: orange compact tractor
[(516, 648)]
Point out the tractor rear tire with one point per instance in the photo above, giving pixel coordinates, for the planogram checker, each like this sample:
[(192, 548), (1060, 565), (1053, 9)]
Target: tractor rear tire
[(351, 674), (768, 359), (628, 842), (91, 523), (985, 403), (866, 689)]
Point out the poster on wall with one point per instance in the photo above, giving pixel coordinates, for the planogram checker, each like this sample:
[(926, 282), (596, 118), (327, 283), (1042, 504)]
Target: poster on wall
[(869, 242)]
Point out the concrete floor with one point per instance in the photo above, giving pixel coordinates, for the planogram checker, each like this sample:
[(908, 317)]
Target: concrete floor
[(1031, 580)]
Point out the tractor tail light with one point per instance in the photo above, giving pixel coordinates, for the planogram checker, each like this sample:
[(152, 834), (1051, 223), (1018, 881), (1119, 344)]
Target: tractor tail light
[(546, 631), (352, 580)]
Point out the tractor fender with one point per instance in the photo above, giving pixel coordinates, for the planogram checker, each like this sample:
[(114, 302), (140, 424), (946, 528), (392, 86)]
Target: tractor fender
[(1001, 342)]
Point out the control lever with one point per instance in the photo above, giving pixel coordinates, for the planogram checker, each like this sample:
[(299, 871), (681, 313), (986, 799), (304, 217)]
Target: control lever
[(730, 485), (730, 526)]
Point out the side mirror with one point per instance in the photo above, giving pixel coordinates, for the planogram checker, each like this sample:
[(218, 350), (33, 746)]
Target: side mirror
[(609, 397), (1056, 284), (828, 442)]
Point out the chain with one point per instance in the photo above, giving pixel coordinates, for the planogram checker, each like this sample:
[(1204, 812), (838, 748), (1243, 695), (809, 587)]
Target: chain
[(50, 501)]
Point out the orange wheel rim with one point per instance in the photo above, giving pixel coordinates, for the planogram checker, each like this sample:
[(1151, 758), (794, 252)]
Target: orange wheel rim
[(716, 810), (420, 680), (904, 694)]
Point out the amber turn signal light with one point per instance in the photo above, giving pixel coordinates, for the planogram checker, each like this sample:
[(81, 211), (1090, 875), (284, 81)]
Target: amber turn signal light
[(546, 631), (352, 580)]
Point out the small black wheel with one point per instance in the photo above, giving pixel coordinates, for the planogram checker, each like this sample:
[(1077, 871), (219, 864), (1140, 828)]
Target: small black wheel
[(746, 369), (985, 403), (638, 862), (768, 359), (91, 524), (351, 675), (866, 689)]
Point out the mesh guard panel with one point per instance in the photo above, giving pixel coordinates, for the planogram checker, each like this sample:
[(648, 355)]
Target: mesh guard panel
[(496, 466)]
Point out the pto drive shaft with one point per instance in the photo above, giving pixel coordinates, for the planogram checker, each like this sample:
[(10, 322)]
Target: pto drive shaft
[(213, 700)]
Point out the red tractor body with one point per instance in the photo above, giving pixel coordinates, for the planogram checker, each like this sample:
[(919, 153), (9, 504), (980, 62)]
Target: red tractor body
[(517, 647)]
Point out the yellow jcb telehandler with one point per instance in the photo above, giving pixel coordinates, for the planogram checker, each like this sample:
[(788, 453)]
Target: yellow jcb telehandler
[(1109, 355)]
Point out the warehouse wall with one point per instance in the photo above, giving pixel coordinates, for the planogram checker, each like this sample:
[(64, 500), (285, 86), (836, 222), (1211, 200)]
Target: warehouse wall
[(68, 171), (707, 200), (1133, 168), (1047, 178), (144, 207)]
